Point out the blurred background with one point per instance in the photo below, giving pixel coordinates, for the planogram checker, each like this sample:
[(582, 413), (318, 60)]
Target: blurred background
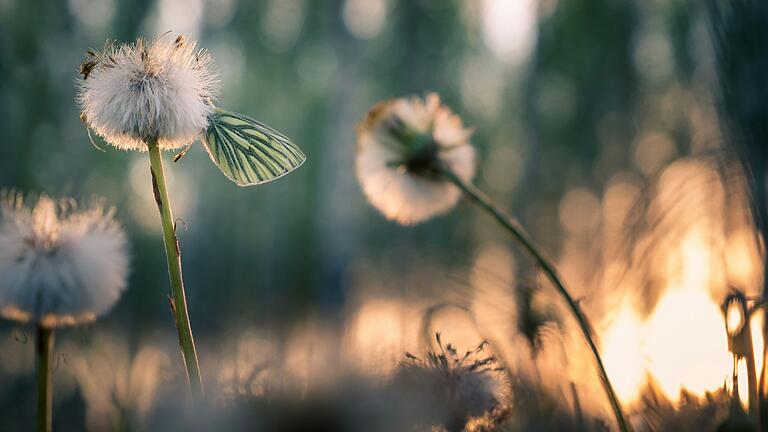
[(595, 123)]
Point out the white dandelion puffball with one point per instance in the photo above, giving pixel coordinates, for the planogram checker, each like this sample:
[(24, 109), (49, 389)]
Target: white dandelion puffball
[(162, 90), (401, 145), (59, 265)]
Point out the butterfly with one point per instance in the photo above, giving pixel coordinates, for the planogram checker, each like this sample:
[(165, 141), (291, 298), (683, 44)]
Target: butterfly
[(247, 151)]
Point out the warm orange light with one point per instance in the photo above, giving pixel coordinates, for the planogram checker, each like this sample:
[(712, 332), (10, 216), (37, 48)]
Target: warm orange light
[(682, 344), (623, 353), (686, 343), (734, 318)]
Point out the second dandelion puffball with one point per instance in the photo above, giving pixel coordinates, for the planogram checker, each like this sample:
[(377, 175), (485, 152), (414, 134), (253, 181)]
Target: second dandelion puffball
[(401, 147)]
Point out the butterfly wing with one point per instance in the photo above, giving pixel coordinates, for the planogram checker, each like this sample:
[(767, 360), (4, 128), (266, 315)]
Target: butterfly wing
[(247, 151)]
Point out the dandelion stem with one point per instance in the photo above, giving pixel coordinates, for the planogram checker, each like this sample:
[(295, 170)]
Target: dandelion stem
[(519, 233), (44, 354), (173, 255)]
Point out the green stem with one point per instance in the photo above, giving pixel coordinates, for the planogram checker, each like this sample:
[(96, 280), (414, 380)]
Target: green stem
[(178, 298), (44, 355), (518, 232)]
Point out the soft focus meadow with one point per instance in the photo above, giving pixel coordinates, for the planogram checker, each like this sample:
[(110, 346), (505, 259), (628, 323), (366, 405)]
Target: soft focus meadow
[(607, 127)]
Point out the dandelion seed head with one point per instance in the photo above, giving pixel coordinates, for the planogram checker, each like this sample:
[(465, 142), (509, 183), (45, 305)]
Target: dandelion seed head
[(458, 386), (132, 93), (59, 265), (401, 146)]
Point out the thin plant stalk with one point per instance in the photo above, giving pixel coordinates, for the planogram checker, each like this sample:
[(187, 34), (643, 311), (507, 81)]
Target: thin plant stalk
[(44, 356), (577, 407), (751, 372), (519, 233), (178, 298)]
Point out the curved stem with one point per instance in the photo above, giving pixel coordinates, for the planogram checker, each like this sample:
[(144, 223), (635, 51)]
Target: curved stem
[(44, 355), (178, 298), (518, 232)]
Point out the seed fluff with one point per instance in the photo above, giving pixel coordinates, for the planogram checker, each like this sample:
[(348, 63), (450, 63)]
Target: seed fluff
[(454, 387), (59, 265), (401, 146), (133, 93)]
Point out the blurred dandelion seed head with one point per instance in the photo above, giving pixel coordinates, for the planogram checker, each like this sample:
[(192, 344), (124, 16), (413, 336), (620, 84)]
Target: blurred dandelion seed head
[(119, 385), (463, 385), (132, 93), (59, 264), (402, 144)]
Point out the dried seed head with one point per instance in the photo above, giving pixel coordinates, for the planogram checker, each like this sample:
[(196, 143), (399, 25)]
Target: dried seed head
[(458, 387)]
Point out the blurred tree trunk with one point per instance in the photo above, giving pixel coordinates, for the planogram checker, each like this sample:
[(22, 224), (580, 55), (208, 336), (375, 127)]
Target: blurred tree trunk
[(25, 47)]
